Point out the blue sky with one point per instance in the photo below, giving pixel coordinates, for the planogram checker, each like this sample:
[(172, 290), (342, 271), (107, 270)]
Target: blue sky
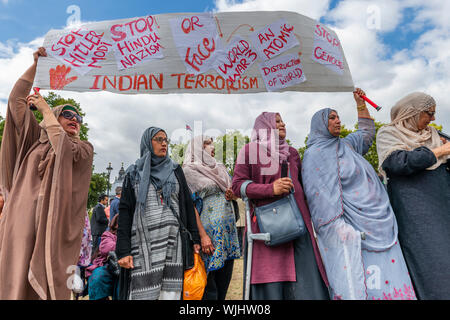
[(24, 21)]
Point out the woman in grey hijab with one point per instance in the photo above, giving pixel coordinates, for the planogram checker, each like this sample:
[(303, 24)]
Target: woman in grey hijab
[(414, 161), (354, 221), (156, 222)]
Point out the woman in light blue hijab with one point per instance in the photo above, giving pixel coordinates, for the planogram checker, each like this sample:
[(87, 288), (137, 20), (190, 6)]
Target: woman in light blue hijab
[(355, 225)]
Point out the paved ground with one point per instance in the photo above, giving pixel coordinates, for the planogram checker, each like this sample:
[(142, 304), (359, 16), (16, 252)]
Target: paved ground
[(236, 284)]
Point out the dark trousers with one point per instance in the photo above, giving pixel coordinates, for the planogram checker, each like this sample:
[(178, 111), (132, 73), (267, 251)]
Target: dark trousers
[(95, 242), (218, 281)]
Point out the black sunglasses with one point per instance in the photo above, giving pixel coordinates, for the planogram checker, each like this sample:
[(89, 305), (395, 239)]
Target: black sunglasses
[(69, 116)]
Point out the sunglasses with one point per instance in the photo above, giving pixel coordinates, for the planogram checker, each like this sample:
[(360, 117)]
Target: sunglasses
[(160, 140), (430, 113), (69, 116)]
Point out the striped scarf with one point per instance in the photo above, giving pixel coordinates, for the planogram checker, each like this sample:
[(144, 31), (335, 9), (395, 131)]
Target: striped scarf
[(156, 249)]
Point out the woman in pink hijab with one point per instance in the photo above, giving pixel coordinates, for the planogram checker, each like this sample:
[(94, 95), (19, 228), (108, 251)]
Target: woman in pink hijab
[(293, 270)]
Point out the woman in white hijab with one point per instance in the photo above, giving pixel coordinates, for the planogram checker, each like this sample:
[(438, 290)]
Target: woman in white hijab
[(414, 160), (210, 184)]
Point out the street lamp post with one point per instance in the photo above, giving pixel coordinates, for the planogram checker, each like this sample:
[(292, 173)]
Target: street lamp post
[(109, 169)]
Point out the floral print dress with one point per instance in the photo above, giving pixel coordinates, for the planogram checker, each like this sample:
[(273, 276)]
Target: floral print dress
[(219, 221)]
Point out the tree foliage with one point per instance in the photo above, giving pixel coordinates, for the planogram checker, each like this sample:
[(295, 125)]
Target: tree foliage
[(98, 186)]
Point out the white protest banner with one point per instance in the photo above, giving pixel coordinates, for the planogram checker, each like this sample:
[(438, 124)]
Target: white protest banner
[(282, 72), (194, 53), (197, 40), (327, 49)]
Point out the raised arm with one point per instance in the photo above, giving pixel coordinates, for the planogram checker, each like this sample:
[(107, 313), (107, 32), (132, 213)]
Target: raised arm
[(17, 99), (362, 139)]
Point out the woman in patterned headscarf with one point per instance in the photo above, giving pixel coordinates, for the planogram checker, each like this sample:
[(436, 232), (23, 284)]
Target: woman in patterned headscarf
[(414, 160), (156, 215), (210, 184)]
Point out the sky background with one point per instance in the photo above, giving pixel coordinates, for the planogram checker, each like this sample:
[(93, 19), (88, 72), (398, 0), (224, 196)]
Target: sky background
[(393, 47)]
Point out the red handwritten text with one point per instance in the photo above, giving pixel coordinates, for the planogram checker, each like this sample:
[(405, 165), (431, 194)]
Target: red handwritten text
[(276, 42), (198, 57), (209, 81), (238, 59), (127, 83), (326, 35), (281, 66), (136, 41), (81, 48), (323, 55)]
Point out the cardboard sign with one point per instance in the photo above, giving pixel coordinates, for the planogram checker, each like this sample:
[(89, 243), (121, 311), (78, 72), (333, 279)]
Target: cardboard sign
[(81, 49), (282, 72), (197, 41), (274, 39), (327, 49), (136, 42), (233, 62), (230, 52)]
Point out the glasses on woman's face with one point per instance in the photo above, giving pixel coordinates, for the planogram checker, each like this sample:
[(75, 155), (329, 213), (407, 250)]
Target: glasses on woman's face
[(430, 113), (69, 116), (160, 140)]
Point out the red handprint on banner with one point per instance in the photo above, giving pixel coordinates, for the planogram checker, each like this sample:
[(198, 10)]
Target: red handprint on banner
[(58, 77)]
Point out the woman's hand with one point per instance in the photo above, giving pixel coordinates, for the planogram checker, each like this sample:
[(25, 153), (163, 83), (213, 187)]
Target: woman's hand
[(357, 96), (282, 185), (39, 53), (207, 245), (443, 150), (38, 101), (229, 195), (126, 262), (196, 248)]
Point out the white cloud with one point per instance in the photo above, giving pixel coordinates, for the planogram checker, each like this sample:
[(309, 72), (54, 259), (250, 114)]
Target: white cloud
[(116, 122), (314, 9)]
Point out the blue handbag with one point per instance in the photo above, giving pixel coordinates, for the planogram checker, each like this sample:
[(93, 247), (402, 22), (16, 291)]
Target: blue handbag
[(282, 219)]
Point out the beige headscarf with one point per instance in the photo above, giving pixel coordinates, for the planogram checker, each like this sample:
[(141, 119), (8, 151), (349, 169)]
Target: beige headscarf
[(201, 169), (403, 132)]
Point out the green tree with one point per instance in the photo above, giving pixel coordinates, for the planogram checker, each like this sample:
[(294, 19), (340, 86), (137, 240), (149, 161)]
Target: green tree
[(227, 148), (98, 185), (177, 151)]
